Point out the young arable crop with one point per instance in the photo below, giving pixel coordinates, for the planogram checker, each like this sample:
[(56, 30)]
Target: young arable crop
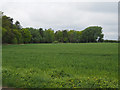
[(78, 65)]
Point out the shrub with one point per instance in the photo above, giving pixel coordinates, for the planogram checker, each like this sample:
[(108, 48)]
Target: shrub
[(55, 42)]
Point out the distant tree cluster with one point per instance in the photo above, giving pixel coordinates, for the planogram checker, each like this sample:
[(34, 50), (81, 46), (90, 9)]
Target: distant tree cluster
[(112, 41), (13, 33)]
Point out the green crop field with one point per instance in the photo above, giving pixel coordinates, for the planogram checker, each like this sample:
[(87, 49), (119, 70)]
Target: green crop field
[(76, 65)]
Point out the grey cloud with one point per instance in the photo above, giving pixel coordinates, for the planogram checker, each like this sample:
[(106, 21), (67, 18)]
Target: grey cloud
[(77, 15)]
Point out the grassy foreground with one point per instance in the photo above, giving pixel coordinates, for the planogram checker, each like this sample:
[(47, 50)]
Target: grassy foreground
[(83, 65)]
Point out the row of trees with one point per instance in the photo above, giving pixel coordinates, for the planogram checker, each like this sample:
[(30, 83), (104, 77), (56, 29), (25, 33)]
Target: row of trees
[(14, 33)]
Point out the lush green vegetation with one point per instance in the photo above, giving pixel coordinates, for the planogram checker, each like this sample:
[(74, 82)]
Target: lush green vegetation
[(13, 33), (83, 65)]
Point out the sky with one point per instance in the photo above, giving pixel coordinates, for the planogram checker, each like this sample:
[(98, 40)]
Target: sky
[(62, 15)]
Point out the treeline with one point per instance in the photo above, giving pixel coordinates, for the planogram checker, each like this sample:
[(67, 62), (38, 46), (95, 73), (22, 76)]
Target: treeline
[(112, 41), (13, 33)]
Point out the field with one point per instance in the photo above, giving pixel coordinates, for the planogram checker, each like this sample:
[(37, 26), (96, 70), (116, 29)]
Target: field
[(83, 65)]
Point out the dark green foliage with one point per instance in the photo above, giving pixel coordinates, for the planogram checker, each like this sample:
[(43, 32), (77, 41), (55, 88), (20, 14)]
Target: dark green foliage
[(7, 26), (59, 36), (49, 36), (17, 35), (14, 40), (7, 22), (26, 35), (111, 41), (92, 34), (74, 36), (4, 32), (14, 33), (41, 32), (17, 25), (36, 37), (65, 36)]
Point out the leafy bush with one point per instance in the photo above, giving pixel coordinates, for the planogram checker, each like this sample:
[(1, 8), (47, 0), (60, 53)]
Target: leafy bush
[(55, 42)]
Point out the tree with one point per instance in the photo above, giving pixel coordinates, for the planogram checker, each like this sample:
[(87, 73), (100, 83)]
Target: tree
[(41, 32), (79, 35), (65, 36), (17, 25), (59, 36), (49, 35), (17, 36), (9, 36), (14, 33), (10, 31), (26, 35), (4, 33), (92, 34), (7, 22), (42, 35), (72, 36), (36, 37)]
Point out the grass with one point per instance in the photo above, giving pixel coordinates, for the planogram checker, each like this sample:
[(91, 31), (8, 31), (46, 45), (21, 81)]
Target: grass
[(83, 65)]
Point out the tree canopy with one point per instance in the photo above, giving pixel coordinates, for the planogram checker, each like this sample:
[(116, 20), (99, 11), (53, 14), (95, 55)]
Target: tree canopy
[(13, 33)]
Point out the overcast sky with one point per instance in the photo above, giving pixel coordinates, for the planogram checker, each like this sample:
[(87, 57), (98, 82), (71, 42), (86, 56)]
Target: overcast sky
[(65, 15)]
